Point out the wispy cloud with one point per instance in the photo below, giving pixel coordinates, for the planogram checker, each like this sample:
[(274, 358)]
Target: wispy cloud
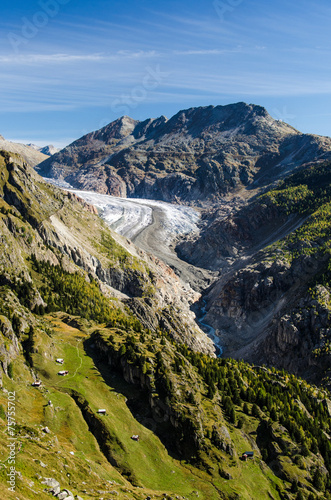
[(23, 59), (205, 24), (202, 52), (247, 83), (48, 58), (140, 54), (94, 54)]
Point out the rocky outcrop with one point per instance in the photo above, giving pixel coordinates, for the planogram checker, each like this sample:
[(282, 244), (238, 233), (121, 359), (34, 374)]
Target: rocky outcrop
[(87, 206), (178, 322), (53, 487), (234, 229), (300, 340), (199, 154), (265, 313), (222, 439), (9, 344)]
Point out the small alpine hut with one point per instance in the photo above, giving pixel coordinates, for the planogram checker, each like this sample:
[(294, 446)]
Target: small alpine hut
[(63, 373), (60, 361), (36, 383), (102, 411), (247, 454), (135, 437)]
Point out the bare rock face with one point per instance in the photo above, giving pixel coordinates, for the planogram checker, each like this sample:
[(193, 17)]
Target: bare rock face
[(87, 206), (233, 229), (199, 154), (50, 482), (265, 313), (9, 347), (298, 341)]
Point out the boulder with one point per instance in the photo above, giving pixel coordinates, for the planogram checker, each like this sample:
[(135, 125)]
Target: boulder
[(65, 494), (51, 482), (55, 491)]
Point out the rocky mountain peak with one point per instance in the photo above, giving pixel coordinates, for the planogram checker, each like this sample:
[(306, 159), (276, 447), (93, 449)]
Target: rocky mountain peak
[(48, 150), (198, 154), (218, 118), (120, 128)]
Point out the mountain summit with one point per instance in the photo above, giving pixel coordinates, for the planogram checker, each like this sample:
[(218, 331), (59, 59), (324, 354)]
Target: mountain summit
[(48, 150), (198, 154)]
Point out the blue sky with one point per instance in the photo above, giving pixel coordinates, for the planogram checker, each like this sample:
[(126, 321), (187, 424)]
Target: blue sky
[(71, 66)]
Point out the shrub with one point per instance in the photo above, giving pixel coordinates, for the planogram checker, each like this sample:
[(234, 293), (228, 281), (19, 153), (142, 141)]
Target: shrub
[(10, 370)]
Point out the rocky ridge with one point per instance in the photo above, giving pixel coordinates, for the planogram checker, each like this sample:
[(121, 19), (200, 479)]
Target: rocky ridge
[(28, 152), (199, 154), (48, 150), (271, 302)]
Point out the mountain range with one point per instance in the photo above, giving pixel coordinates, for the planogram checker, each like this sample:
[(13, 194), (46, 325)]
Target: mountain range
[(223, 159), (199, 154), (117, 391)]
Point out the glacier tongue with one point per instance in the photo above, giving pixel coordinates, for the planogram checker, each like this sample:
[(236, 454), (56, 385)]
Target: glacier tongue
[(129, 216), (152, 226)]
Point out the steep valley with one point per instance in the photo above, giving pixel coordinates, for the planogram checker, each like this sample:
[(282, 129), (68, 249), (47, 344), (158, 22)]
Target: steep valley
[(247, 289), (109, 386), (222, 161), (154, 227)]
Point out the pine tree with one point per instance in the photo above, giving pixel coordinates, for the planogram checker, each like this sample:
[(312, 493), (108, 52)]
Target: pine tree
[(240, 423), (294, 488), (246, 409), (255, 411), (273, 414), (318, 480)]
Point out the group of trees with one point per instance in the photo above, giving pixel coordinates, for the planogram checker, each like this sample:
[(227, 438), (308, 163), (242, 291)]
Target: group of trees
[(303, 192), (71, 293), (267, 395), (242, 389)]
